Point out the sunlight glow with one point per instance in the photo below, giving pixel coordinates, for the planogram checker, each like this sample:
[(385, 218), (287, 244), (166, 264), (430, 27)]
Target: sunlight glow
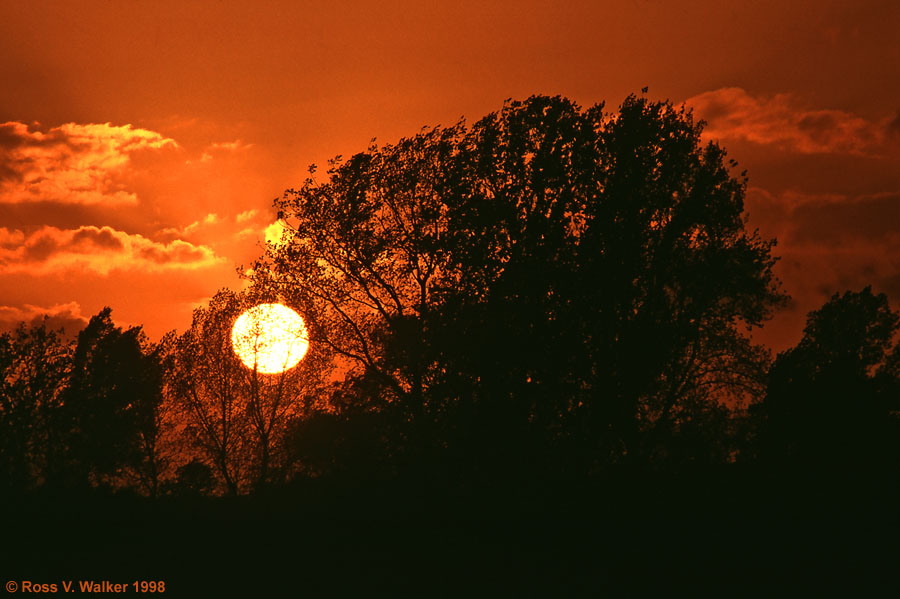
[(270, 337)]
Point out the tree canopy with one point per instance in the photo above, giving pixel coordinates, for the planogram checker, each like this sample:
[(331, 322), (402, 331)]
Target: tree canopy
[(833, 398), (563, 273)]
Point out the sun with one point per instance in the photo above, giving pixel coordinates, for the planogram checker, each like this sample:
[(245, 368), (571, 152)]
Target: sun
[(270, 338)]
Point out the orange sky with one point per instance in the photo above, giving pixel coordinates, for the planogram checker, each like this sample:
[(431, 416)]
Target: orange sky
[(144, 141)]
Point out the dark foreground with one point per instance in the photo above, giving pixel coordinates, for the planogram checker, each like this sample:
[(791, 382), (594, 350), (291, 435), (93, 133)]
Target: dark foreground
[(729, 533)]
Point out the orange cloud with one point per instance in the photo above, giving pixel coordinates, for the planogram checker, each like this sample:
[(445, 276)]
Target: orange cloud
[(210, 219), (230, 146), (202, 225), (245, 216), (733, 114), (59, 316), (100, 250), (11, 238), (72, 163)]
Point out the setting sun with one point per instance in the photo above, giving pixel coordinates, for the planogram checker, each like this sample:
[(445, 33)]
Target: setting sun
[(270, 337)]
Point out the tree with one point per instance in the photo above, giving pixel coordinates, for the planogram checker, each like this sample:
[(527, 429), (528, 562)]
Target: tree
[(502, 282), (193, 479), (206, 382), (832, 399), (238, 416), (111, 407), (156, 418), (35, 363), (621, 236)]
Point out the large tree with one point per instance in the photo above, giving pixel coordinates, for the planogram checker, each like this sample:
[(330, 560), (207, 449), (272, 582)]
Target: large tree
[(551, 270)]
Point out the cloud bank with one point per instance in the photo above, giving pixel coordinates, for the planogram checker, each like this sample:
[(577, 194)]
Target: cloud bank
[(66, 316), (72, 163), (783, 121), (97, 250)]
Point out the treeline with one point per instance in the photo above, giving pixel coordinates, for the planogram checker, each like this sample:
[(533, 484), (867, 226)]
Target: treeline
[(109, 409), (183, 416), (551, 291)]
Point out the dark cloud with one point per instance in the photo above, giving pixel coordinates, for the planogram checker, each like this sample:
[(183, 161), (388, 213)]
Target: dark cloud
[(92, 239), (11, 238), (827, 243), (9, 173), (891, 286), (67, 317), (871, 219), (893, 127)]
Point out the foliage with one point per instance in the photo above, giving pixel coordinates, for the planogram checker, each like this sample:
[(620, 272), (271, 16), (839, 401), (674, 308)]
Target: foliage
[(110, 406), (236, 416), (834, 397), (550, 273), (35, 363), (84, 412)]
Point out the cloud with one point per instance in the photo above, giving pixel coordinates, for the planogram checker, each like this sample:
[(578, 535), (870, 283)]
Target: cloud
[(826, 220), (230, 146), (11, 238), (782, 121), (174, 233), (870, 220), (59, 316), (249, 221), (210, 219), (72, 163), (245, 216), (100, 250), (829, 243), (893, 127), (274, 233)]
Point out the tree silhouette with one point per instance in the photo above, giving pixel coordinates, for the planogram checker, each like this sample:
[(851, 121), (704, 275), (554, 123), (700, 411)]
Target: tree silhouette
[(238, 416), (832, 399), (551, 274), (207, 381), (155, 418), (110, 407), (34, 368), (193, 479)]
